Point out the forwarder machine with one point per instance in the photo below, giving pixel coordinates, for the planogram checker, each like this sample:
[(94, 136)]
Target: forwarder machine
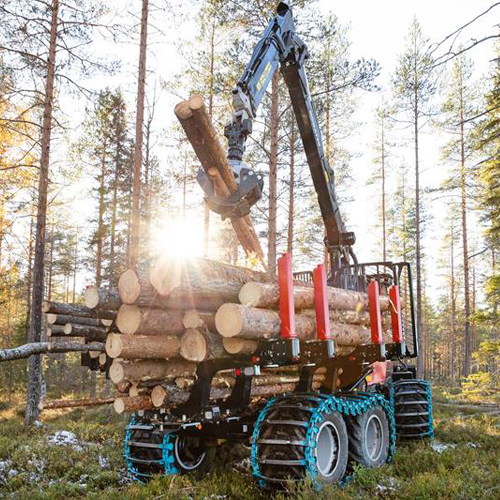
[(370, 398)]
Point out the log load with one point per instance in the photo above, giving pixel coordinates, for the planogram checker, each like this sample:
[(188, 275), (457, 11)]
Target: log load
[(102, 299), (74, 403), (142, 346), (236, 320), (76, 310), (202, 135), (266, 295), (146, 370), (132, 319)]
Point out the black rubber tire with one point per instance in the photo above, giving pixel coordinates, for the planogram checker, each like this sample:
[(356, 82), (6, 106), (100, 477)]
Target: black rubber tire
[(369, 438), (192, 455), (336, 421)]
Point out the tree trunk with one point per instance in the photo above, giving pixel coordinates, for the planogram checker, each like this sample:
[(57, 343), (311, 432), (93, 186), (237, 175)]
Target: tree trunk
[(273, 176), (144, 321), (62, 319), (136, 188), (34, 334), (419, 325), (465, 246), (142, 346), (291, 204)]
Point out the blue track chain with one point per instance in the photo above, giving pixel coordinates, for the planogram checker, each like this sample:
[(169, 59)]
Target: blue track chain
[(321, 404)]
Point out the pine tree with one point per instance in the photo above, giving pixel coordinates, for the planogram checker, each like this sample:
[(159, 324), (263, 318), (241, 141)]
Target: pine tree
[(413, 86)]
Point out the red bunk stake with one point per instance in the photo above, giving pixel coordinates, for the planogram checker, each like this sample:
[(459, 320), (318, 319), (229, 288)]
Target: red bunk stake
[(395, 308), (287, 305), (321, 303), (375, 314)]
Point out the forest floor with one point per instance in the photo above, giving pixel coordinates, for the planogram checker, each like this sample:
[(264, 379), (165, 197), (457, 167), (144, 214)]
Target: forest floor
[(78, 453)]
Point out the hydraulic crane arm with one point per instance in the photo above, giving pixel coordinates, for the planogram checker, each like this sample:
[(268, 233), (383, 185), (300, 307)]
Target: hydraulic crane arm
[(281, 46)]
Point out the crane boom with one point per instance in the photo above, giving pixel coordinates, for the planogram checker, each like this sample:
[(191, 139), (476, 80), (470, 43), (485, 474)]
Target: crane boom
[(281, 46)]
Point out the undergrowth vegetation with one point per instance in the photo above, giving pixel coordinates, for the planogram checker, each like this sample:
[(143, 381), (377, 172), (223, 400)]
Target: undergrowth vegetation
[(78, 453)]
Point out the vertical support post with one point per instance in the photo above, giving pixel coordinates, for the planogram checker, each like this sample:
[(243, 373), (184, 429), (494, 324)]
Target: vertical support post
[(375, 314), (287, 304), (321, 303), (395, 308)]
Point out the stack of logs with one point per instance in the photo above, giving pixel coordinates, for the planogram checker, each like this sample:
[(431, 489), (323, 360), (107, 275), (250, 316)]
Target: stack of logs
[(185, 311), (78, 324)]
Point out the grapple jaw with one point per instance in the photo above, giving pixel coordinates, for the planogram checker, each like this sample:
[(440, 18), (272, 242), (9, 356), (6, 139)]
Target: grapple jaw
[(238, 204)]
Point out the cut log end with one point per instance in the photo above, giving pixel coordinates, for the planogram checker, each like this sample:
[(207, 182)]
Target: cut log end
[(68, 327), (228, 320), (129, 286), (166, 275), (113, 345), (193, 346), (116, 372), (250, 294), (183, 111), (158, 396), (128, 319), (195, 102), (91, 297), (51, 318), (234, 345), (137, 403)]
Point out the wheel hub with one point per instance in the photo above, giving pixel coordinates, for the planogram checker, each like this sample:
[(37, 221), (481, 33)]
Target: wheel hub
[(188, 452), (326, 449), (374, 433)]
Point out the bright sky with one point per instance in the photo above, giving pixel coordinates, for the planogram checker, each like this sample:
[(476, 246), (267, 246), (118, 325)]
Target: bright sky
[(378, 30)]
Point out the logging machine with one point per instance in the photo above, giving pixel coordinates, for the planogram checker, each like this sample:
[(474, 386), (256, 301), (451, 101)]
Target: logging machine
[(370, 397)]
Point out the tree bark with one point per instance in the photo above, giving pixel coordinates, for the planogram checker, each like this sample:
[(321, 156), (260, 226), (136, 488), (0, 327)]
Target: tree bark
[(142, 346), (35, 348), (33, 390), (273, 176), (144, 321), (142, 371), (136, 187)]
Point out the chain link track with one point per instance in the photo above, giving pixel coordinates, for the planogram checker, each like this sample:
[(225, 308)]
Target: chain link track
[(148, 451), (412, 403), (284, 436)]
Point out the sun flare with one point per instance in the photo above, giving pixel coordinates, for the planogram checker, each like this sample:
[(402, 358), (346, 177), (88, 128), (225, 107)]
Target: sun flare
[(179, 237)]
